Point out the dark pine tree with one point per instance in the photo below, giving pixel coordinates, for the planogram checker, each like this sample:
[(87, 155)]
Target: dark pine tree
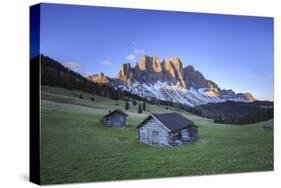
[(140, 109), (143, 106), (126, 105)]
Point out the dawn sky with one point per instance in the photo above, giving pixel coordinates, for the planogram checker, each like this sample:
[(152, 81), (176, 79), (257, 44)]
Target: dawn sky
[(236, 52)]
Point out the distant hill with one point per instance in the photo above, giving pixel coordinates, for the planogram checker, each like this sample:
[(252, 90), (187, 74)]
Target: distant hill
[(54, 73), (237, 112)]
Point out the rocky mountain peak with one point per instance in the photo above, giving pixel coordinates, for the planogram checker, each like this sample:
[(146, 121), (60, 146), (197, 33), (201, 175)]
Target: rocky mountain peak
[(173, 66), (227, 92), (249, 97), (150, 64), (173, 71), (176, 62), (190, 68), (99, 78), (194, 78), (125, 73)]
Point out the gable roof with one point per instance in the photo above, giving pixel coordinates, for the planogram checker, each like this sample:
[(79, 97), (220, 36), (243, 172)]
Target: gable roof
[(116, 111), (172, 121)]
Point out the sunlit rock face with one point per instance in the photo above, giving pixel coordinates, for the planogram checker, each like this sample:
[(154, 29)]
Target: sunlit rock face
[(249, 97), (99, 78), (148, 70), (173, 71), (125, 73), (168, 80), (150, 64)]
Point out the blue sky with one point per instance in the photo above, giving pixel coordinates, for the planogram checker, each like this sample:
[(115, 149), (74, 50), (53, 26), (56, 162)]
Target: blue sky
[(234, 51)]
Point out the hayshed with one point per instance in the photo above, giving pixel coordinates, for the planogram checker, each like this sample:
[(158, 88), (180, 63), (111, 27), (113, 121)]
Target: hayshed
[(166, 129), (116, 118)]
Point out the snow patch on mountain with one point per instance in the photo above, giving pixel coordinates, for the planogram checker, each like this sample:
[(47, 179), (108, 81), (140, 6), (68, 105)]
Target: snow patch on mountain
[(166, 92)]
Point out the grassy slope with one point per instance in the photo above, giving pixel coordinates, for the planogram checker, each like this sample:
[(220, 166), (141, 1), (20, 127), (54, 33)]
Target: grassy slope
[(76, 147)]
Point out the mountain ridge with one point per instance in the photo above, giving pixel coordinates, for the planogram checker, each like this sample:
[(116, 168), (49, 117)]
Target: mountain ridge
[(168, 80)]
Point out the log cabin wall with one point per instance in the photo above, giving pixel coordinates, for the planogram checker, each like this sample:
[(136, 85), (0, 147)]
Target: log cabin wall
[(115, 120), (150, 126)]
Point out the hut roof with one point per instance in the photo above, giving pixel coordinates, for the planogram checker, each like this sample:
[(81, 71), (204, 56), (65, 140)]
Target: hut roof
[(172, 121), (116, 111)]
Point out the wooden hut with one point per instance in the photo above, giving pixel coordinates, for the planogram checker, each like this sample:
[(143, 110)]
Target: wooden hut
[(116, 118), (166, 129)]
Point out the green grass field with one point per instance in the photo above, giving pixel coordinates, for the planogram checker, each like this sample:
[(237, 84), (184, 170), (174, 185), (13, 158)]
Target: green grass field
[(75, 146)]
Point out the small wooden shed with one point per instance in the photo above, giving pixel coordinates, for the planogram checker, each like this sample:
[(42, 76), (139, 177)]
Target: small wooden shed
[(166, 129), (116, 118)]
